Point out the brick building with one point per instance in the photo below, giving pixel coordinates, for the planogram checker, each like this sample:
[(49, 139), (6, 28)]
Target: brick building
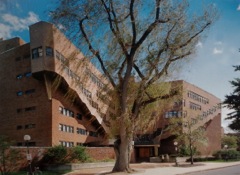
[(194, 105), (50, 91)]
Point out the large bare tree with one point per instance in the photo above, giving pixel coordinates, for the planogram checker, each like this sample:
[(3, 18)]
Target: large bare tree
[(136, 44)]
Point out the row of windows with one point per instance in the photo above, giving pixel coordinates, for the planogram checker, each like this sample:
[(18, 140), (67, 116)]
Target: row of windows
[(211, 111), (27, 92), (26, 74), (61, 58), (28, 126), (197, 97), (86, 92), (70, 129), (105, 99), (31, 108), (171, 114), (179, 103), (82, 131), (27, 56), (38, 52), (66, 112), (66, 128), (86, 132), (69, 113), (94, 104), (194, 106), (205, 114), (94, 78), (66, 144), (72, 75)]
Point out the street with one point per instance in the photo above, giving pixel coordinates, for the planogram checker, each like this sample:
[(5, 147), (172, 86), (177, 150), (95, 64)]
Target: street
[(233, 170)]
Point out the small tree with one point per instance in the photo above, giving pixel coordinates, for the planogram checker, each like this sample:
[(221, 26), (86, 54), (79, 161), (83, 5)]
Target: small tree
[(188, 134), (56, 154), (8, 157), (230, 141), (79, 153)]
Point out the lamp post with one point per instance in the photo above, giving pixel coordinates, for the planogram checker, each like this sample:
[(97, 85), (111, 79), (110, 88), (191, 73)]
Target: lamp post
[(176, 150), (29, 157), (226, 148)]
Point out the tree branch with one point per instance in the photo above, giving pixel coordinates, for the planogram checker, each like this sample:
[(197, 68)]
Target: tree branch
[(139, 72), (96, 53), (194, 36), (151, 100), (133, 22), (116, 31)]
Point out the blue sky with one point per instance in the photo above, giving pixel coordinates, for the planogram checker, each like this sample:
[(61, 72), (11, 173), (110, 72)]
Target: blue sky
[(211, 69)]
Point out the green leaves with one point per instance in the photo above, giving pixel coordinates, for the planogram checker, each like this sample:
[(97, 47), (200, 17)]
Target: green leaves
[(232, 102)]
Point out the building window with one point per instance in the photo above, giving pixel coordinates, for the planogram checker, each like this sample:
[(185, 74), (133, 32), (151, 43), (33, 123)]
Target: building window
[(66, 112), (30, 91), (49, 51), (19, 127), (79, 116), (18, 59), (93, 134), (37, 52), (28, 74), (66, 128), (171, 114), (19, 110), (194, 106), (82, 131), (61, 58), (19, 76), (32, 108), (66, 144), (19, 93), (29, 126), (197, 97)]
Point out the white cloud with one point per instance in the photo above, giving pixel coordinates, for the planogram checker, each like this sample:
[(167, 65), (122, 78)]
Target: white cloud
[(5, 31), (61, 27), (13, 23), (217, 51), (238, 8), (199, 44)]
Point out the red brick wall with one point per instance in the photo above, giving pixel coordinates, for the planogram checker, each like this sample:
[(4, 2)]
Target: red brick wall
[(96, 153), (101, 153)]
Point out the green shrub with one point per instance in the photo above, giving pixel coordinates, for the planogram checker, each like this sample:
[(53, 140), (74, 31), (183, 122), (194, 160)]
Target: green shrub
[(79, 153), (185, 151), (56, 154), (227, 154)]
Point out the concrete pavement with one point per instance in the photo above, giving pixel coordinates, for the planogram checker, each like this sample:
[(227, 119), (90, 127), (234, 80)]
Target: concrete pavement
[(185, 170), (158, 169)]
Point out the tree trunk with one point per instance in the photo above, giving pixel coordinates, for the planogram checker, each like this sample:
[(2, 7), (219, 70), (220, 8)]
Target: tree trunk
[(191, 154), (121, 148)]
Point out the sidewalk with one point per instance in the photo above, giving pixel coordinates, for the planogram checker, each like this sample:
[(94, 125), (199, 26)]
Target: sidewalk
[(157, 169)]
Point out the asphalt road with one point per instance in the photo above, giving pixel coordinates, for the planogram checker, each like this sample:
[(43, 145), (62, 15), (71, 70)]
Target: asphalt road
[(233, 170)]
